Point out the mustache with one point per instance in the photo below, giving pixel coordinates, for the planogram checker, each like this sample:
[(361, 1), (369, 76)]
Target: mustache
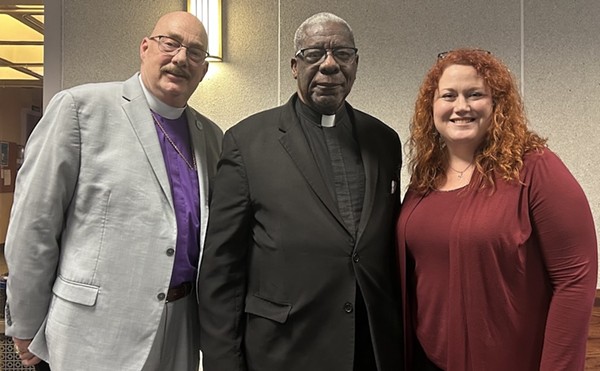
[(175, 70)]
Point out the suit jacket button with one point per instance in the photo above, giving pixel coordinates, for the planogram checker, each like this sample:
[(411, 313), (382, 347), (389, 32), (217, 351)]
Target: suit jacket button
[(170, 252), (161, 296), (355, 258), (348, 308)]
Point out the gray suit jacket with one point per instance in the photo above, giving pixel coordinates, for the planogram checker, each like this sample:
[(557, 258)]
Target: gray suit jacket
[(90, 227)]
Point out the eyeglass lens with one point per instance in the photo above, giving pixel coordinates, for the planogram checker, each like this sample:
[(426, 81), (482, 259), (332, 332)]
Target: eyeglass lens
[(318, 55), (172, 46)]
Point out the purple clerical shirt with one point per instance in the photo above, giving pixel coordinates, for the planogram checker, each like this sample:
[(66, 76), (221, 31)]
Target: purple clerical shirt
[(184, 188)]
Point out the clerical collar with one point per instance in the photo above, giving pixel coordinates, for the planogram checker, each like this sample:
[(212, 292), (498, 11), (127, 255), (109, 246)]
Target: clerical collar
[(328, 121), (159, 107), (314, 117)]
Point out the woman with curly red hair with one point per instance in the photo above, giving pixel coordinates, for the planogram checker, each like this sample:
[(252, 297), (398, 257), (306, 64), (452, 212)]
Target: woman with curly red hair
[(496, 240)]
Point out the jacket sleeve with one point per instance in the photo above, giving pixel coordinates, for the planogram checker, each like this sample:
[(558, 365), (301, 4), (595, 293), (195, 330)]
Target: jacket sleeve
[(43, 192), (567, 238), (222, 277)]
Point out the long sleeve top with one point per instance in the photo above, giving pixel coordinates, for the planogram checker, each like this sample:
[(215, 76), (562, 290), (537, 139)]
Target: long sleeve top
[(507, 280)]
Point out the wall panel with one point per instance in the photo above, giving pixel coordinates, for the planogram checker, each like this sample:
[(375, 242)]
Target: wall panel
[(562, 85)]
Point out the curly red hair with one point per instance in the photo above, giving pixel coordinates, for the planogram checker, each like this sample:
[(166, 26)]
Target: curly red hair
[(506, 142)]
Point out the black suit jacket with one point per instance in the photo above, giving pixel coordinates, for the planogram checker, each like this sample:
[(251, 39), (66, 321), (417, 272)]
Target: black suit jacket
[(280, 270)]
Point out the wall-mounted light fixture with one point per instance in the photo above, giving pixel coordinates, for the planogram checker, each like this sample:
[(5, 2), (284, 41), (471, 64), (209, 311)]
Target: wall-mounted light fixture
[(209, 12)]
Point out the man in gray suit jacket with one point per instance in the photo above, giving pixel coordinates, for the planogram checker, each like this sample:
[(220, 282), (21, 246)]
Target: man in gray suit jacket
[(109, 214), (298, 272)]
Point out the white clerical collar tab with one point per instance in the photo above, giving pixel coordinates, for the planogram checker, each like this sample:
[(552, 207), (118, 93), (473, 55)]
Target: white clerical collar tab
[(158, 106), (328, 121)]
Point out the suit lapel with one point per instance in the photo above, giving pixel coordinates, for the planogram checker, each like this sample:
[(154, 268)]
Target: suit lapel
[(137, 110), (294, 141), (199, 147)]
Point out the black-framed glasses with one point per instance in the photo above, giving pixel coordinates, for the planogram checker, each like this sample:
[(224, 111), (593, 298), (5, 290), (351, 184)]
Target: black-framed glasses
[(443, 55), (170, 46), (342, 55)]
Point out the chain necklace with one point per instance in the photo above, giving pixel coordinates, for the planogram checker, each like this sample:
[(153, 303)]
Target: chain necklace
[(192, 166), (460, 173)]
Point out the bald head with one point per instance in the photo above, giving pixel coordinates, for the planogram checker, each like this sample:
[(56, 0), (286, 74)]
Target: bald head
[(183, 20), (167, 69)]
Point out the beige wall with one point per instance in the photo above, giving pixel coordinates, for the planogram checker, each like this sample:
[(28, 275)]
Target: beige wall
[(552, 47)]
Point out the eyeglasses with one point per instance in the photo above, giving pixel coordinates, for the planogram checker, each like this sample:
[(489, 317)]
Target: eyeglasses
[(170, 46), (342, 55), (443, 55)]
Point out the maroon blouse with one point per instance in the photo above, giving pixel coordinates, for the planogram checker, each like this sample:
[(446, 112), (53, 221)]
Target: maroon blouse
[(504, 280)]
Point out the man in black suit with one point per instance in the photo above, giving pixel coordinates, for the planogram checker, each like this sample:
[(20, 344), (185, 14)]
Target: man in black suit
[(298, 270)]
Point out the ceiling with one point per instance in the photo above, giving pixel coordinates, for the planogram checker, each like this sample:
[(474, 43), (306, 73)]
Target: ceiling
[(21, 43)]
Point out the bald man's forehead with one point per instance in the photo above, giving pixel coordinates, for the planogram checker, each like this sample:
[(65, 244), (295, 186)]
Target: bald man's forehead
[(196, 42), (184, 27)]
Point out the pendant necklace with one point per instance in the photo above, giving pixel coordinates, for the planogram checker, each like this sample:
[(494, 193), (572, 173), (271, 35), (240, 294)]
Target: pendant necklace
[(460, 173), (192, 167)]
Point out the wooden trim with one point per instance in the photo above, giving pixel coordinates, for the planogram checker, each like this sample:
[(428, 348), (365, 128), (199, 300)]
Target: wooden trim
[(597, 300)]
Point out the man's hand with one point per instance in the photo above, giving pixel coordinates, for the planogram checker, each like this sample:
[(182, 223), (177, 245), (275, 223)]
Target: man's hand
[(22, 349)]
